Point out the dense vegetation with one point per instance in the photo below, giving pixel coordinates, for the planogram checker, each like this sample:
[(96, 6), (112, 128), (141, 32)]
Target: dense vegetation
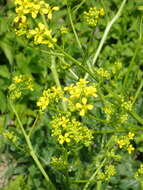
[(71, 106)]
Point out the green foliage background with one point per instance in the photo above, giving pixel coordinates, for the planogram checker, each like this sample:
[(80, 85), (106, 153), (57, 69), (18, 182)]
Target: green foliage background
[(18, 56)]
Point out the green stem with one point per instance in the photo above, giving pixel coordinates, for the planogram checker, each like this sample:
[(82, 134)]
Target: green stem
[(78, 7), (56, 78), (136, 116), (99, 184), (131, 64), (109, 25), (73, 28), (31, 150), (33, 126), (79, 64), (94, 174), (138, 92)]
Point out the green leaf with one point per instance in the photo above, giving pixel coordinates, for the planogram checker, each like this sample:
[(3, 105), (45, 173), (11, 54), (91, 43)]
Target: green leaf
[(4, 72), (7, 49)]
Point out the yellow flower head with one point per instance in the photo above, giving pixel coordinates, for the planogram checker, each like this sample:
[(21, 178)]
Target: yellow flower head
[(83, 107)]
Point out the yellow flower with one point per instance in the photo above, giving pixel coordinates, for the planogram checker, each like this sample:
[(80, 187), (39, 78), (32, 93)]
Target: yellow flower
[(84, 107), (130, 149), (121, 143), (64, 138), (131, 135), (64, 30), (101, 12), (43, 103)]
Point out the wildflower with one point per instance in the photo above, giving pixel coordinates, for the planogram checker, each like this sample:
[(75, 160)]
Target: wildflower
[(101, 12), (41, 35), (130, 149), (59, 163), (127, 105), (69, 130), (10, 136), (43, 103), (123, 118), (64, 138), (110, 171), (50, 95), (121, 143), (20, 84), (84, 106), (102, 72), (131, 135), (64, 30), (93, 15), (124, 142)]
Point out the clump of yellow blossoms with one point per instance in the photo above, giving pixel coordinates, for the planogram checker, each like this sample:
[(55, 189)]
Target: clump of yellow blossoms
[(93, 15), (10, 136), (116, 67), (70, 131), (107, 174), (103, 73), (63, 30), (34, 8), (127, 105), (41, 35), (139, 173), (124, 142), (59, 163), (20, 84), (83, 107), (50, 95), (76, 97)]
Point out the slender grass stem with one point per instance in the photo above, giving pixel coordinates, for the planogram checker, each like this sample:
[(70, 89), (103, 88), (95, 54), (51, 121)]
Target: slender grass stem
[(94, 174), (79, 5), (33, 126), (73, 28), (131, 64), (137, 92), (136, 116), (56, 78), (31, 150), (109, 25)]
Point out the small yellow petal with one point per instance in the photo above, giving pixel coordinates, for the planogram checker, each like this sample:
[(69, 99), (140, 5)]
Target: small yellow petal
[(84, 101), (82, 112)]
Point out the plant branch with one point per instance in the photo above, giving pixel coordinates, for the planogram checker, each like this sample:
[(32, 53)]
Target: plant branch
[(31, 150), (109, 25)]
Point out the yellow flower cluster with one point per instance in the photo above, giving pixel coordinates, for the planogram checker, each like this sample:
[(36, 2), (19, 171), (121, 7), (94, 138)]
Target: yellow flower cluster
[(102, 72), (116, 67), (19, 84), (63, 30), (110, 171), (107, 174), (127, 105), (41, 35), (123, 118), (50, 95), (124, 142), (59, 163), (139, 172), (75, 96), (108, 110), (33, 8), (93, 15), (69, 130), (78, 96), (10, 136)]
